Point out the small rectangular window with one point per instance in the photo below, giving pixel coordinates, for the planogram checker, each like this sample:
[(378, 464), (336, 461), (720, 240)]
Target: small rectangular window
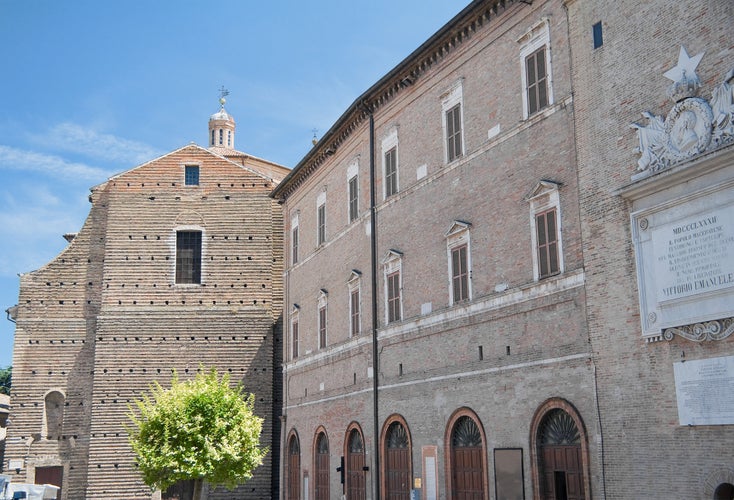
[(354, 310), (391, 172), (353, 199), (294, 245), (547, 233), (321, 233), (459, 273), (596, 32), (322, 327), (294, 337), (537, 86), (191, 176), (393, 297), (453, 133), (188, 257)]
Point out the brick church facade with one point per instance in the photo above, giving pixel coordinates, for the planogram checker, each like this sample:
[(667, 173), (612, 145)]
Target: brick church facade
[(178, 266)]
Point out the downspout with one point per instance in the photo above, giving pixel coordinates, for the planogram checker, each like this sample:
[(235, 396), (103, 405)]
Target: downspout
[(373, 276)]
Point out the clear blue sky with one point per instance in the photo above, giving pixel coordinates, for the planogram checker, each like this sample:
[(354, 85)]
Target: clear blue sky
[(89, 89)]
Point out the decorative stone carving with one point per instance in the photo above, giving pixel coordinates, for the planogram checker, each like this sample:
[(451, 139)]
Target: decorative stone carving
[(709, 330), (692, 126)]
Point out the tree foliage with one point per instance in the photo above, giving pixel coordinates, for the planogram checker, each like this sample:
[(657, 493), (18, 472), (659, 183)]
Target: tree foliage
[(6, 375), (200, 429)]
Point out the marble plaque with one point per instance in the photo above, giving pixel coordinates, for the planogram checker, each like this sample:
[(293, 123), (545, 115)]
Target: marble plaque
[(684, 250), (703, 389)]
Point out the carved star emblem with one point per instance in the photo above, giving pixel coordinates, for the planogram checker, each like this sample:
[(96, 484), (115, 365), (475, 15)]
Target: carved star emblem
[(686, 66)]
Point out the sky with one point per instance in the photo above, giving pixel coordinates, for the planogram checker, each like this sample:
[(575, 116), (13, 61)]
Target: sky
[(89, 89)]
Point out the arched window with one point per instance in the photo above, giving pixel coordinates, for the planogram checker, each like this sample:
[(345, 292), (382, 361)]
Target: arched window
[(396, 460), (53, 415), (467, 459), (321, 460), (561, 456), (356, 487), (294, 468)]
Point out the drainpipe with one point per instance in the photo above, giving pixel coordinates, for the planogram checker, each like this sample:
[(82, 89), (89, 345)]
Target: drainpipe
[(373, 275)]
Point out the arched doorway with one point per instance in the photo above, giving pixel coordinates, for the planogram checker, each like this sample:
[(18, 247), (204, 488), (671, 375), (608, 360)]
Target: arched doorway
[(560, 461), (397, 461), (467, 460), (294, 468), (355, 465), (321, 462)]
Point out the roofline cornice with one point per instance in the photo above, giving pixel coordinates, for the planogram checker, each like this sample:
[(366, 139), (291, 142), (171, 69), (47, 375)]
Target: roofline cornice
[(459, 29)]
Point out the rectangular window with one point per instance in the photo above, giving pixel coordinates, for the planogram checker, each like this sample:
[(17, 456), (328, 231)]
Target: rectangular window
[(391, 172), (294, 338), (191, 177), (537, 84), (188, 257), (393, 297), (294, 245), (596, 32), (460, 273), (453, 133), (322, 327), (353, 199), (321, 236), (354, 311), (545, 223)]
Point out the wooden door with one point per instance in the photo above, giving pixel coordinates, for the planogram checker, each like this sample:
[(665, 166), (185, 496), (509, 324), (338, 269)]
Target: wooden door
[(561, 464), (356, 487), (321, 486), (294, 469), (397, 466), (50, 475), (467, 471)]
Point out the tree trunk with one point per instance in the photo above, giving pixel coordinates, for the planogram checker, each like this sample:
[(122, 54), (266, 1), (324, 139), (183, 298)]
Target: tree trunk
[(198, 488)]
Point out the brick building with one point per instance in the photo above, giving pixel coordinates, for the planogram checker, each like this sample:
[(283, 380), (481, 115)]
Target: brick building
[(438, 341), (659, 280), (178, 266), (474, 306)]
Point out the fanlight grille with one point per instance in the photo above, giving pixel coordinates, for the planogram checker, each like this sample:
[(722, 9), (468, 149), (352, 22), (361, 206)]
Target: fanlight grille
[(396, 436), (558, 428), (466, 434)]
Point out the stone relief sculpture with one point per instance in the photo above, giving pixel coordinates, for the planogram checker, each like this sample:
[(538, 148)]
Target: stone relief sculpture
[(692, 125), (722, 104)]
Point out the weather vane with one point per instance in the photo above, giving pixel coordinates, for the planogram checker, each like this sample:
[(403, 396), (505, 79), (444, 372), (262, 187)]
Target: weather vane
[(222, 94)]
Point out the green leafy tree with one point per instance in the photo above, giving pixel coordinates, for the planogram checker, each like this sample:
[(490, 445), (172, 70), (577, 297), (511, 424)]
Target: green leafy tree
[(200, 429), (6, 374)]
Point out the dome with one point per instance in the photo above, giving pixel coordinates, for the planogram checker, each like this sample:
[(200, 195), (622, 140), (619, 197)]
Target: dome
[(222, 115)]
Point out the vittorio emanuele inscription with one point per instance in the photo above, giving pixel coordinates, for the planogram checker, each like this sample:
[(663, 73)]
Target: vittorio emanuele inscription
[(694, 255)]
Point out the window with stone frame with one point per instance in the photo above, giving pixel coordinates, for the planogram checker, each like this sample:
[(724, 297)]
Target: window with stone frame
[(390, 163), (392, 266), (537, 81), (535, 60), (321, 219), (459, 261), (294, 332), (323, 323), (294, 240), (353, 191), (453, 133), (355, 306), (188, 257), (451, 105), (191, 175), (545, 223)]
